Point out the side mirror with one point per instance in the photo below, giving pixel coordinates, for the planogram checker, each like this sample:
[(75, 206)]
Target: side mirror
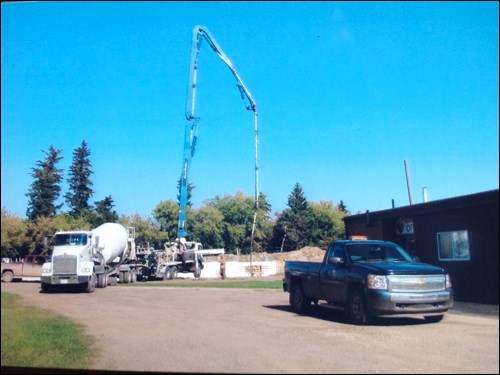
[(335, 260)]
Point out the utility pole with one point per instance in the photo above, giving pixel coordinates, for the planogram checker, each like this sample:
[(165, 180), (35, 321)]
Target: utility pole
[(408, 182), (283, 242)]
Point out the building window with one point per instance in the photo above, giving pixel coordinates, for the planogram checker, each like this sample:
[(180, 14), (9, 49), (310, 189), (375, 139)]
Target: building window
[(453, 246)]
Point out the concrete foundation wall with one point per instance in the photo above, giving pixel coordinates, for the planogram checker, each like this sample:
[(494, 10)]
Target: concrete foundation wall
[(235, 269)]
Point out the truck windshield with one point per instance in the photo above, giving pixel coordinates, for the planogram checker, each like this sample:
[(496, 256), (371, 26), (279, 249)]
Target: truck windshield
[(70, 239), (375, 252)]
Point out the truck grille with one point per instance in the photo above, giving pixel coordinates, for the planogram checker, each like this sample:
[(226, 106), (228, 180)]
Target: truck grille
[(413, 283), (64, 264)]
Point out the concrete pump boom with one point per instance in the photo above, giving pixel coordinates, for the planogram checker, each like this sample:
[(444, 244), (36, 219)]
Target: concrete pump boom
[(191, 131)]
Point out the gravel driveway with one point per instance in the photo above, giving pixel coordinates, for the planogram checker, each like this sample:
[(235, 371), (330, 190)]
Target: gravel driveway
[(216, 330)]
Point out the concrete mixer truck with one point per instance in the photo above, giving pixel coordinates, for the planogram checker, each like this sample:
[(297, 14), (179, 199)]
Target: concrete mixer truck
[(90, 259)]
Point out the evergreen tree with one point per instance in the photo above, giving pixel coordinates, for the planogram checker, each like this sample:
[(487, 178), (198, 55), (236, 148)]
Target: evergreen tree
[(45, 189), (80, 190), (342, 207), (105, 212), (296, 200), (293, 227)]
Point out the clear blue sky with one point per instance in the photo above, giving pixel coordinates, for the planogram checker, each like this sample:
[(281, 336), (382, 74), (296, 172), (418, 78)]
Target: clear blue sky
[(346, 92)]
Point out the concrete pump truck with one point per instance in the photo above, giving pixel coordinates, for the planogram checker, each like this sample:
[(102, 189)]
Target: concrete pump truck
[(187, 256)]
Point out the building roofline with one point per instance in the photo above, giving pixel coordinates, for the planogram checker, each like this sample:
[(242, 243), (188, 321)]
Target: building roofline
[(475, 199)]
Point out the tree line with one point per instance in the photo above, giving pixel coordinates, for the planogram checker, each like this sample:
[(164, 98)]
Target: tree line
[(223, 221)]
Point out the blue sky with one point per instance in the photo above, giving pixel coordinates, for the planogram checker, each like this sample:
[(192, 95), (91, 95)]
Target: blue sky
[(345, 91)]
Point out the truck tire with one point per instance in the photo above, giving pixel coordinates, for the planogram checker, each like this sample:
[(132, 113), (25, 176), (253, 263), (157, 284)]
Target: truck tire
[(133, 276), (124, 277), (298, 300), (102, 280), (167, 275), (47, 288), (356, 308), (174, 272), (90, 285), (8, 276), (197, 273)]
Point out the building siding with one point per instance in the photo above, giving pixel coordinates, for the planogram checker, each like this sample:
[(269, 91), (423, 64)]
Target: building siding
[(475, 279)]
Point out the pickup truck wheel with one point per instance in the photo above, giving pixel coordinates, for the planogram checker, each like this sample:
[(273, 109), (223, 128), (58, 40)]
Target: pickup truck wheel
[(356, 309), (8, 276), (299, 302), (434, 318), (174, 273)]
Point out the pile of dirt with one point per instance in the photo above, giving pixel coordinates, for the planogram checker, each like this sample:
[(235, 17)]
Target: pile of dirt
[(307, 253)]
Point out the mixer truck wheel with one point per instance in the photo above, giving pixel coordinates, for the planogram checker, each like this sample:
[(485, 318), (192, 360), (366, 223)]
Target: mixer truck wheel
[(90, 285), (102, 280), (46, 288), (124, 277)]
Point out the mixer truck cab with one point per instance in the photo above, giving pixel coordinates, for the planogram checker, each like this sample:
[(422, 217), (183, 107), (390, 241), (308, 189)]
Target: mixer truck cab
[(90, 258)]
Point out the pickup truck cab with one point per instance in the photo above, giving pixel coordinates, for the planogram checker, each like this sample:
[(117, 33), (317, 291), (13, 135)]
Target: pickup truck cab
[(368, 278), (30, 267)]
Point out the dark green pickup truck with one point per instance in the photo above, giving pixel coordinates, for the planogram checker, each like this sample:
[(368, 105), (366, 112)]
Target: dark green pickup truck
[(369, 278)]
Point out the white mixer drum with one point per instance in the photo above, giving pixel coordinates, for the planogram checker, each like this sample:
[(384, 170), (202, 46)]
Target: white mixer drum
[(112, 240)]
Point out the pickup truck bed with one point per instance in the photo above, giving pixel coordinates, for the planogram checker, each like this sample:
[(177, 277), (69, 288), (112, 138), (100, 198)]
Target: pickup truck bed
[(30, 267)]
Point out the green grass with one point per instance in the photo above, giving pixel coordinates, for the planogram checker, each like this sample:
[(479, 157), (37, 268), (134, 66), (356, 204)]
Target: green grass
[(228, 283), (34, 337)]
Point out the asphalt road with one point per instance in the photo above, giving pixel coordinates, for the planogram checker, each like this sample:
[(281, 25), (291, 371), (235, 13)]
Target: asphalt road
[(203, 330)]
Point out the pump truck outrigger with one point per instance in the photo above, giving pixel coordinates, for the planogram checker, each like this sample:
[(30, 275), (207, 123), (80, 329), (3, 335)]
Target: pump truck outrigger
[(191, 130)]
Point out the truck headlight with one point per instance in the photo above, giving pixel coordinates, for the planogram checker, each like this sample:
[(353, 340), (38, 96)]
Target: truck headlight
[(85, 270), (377, 282), (447, 281), (46, 270)]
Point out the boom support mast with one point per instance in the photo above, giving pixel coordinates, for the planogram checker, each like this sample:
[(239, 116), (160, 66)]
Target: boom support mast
[(191, 131)]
